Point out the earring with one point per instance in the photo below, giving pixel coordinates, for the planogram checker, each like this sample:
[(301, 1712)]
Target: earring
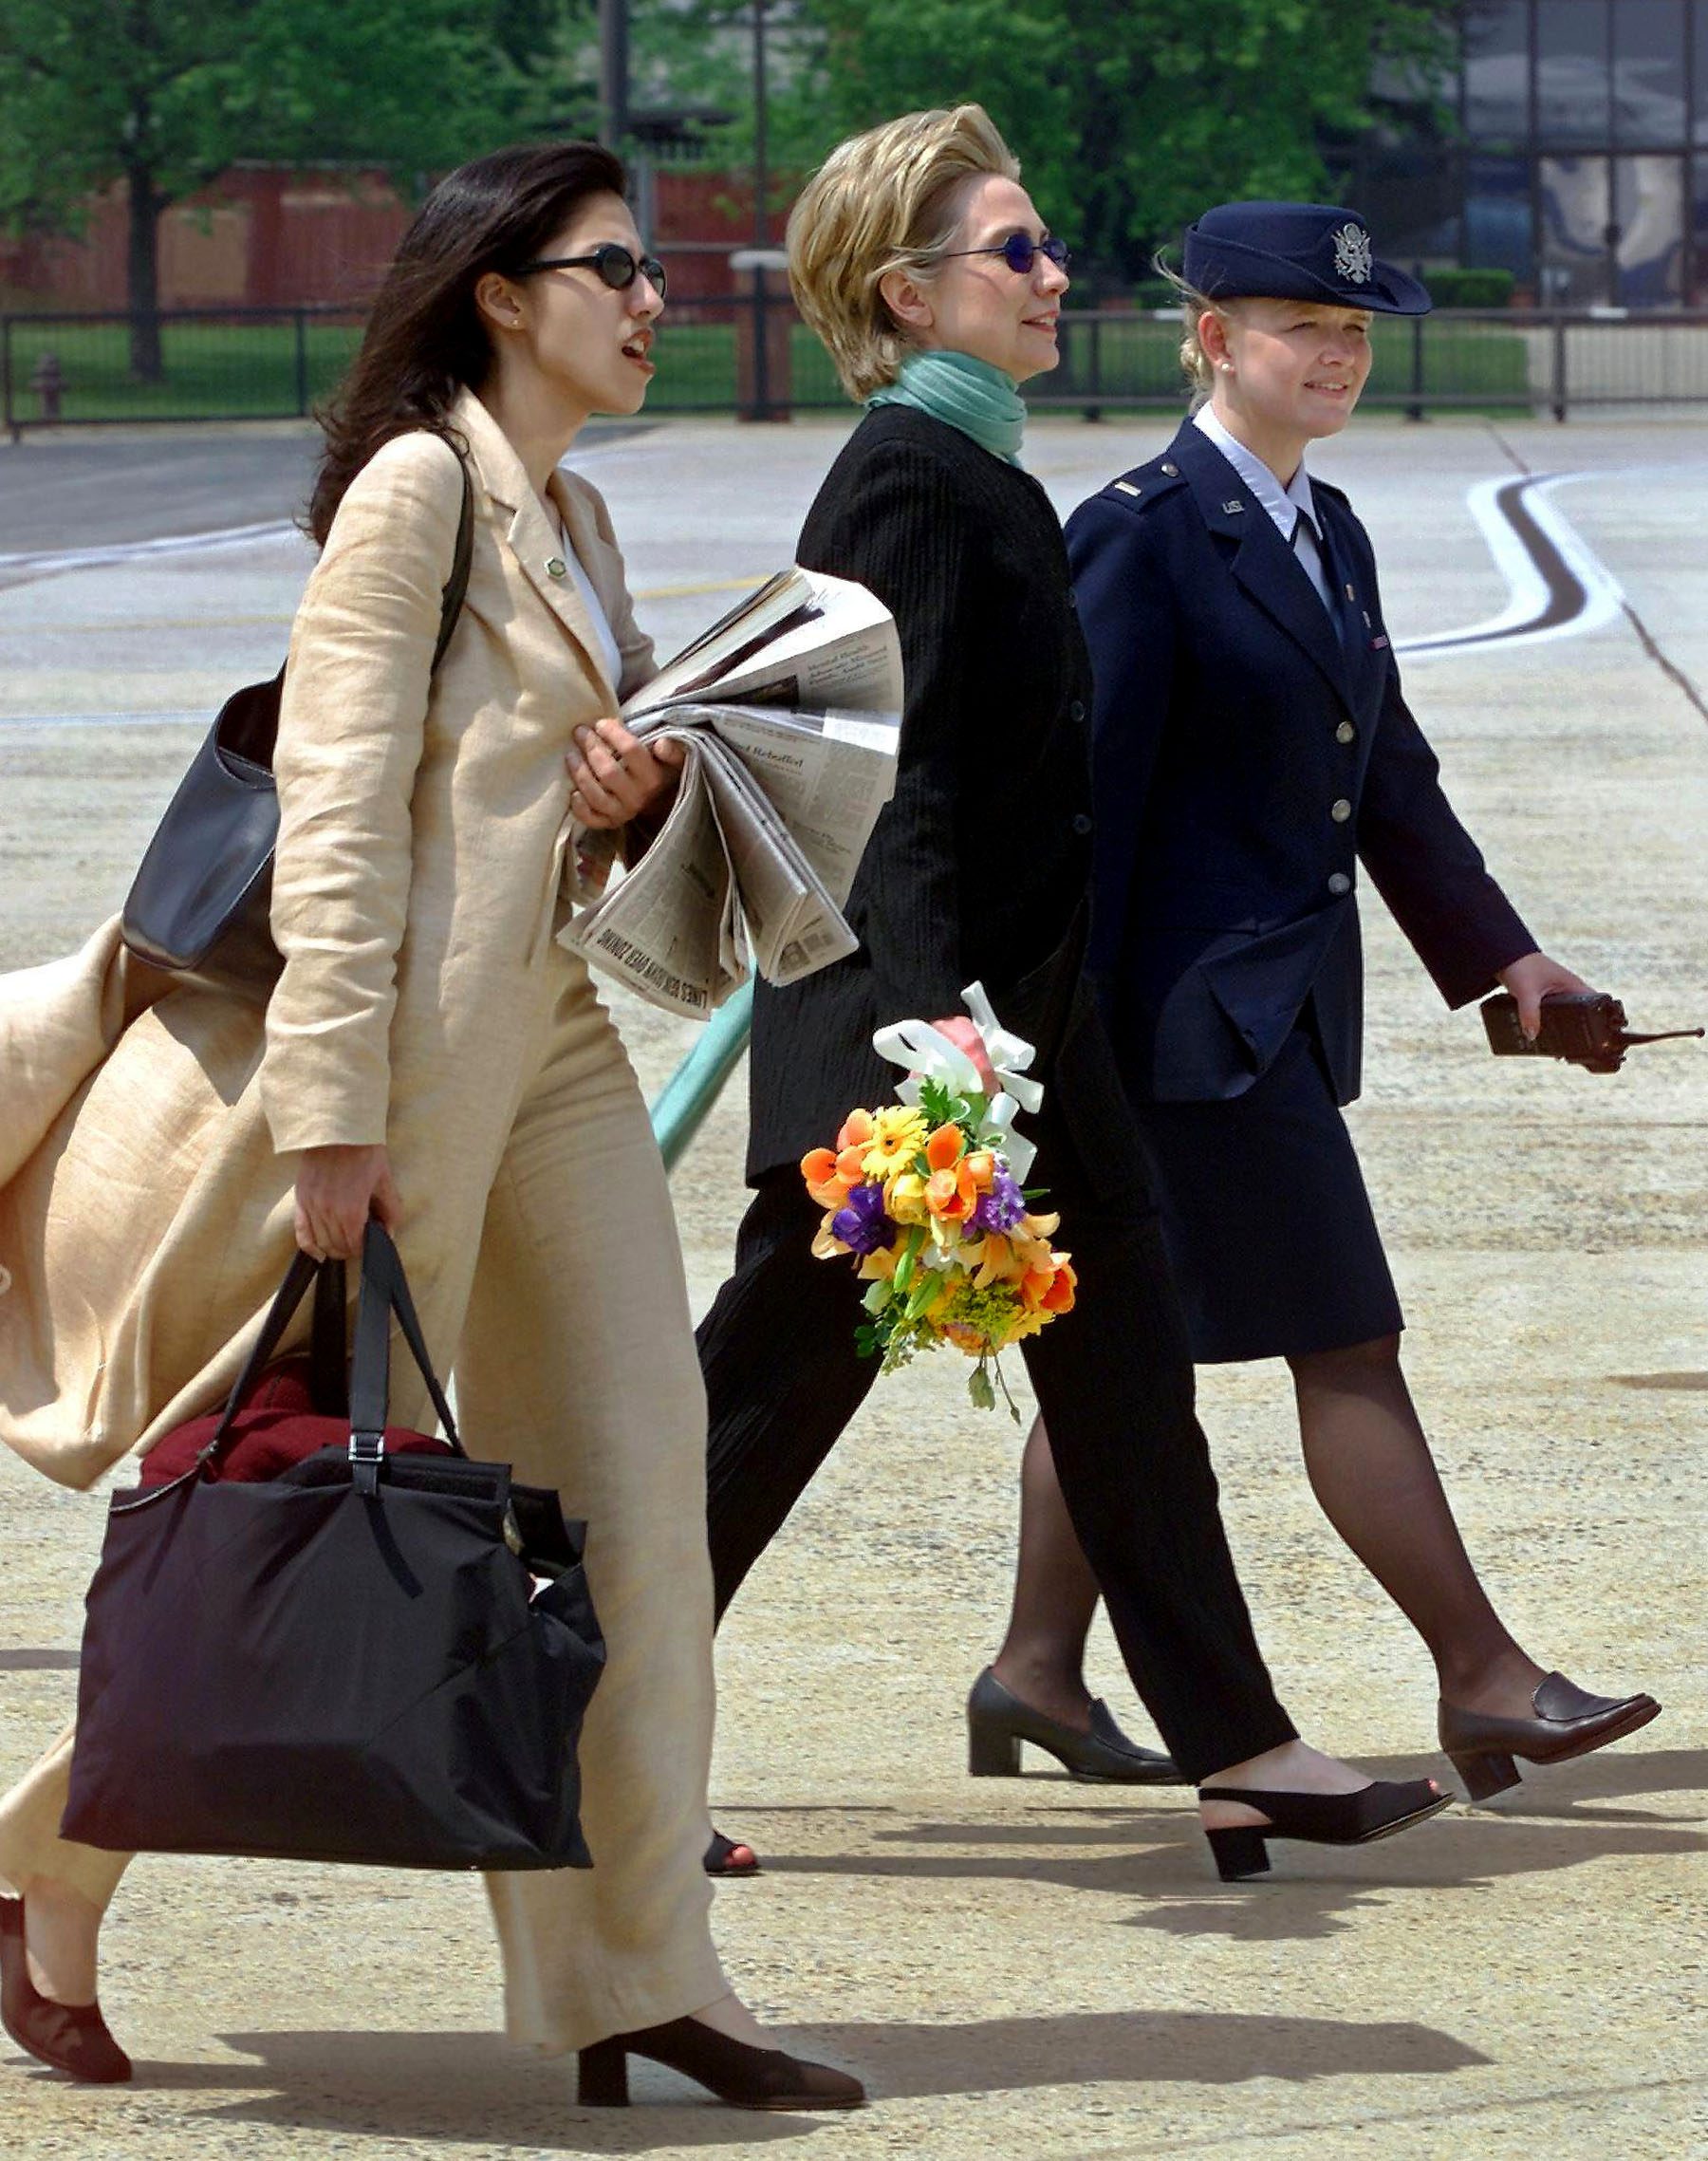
[(1227, 366)]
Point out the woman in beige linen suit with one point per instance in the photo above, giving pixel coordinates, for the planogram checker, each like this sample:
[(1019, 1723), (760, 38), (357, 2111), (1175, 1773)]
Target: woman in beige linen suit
[(431, 1052)]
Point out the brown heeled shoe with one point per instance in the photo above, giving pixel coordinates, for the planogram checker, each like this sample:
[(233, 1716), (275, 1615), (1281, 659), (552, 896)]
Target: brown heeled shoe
[(1568, 1722), (734, 2071), (72, 2038)]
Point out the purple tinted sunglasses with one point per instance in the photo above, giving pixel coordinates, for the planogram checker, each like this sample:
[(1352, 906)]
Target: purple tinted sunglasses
[(1020, 251)]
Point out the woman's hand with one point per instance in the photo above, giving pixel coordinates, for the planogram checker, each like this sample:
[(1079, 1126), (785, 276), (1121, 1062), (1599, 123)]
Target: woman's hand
[(337, 1190), (1530, 980), (614, 779)]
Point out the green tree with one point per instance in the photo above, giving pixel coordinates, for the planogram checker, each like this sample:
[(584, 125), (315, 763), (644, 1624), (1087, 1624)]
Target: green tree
[(164, 95), (1126, 119)]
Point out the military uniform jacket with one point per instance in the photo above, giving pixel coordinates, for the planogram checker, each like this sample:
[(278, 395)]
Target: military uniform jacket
[(1252, 752), (979, 867)]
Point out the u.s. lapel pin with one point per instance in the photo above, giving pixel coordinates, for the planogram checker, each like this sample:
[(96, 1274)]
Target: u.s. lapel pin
[(1229, 510)]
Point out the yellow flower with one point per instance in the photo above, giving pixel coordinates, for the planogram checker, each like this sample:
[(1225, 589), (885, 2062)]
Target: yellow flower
[(898, 1136), (904, 1197)]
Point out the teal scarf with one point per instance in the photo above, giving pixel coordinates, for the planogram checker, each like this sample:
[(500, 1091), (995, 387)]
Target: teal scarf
[(970, 393)]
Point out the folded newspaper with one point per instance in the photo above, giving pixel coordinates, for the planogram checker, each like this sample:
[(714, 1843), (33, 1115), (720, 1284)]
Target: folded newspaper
[(789, 712)]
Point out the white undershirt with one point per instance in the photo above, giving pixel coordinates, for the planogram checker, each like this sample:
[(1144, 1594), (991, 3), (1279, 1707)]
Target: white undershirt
[(1284, 505), (610, 657)]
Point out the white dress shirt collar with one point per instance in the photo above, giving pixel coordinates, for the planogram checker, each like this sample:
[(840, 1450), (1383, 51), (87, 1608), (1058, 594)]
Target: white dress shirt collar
[(1283, 504)]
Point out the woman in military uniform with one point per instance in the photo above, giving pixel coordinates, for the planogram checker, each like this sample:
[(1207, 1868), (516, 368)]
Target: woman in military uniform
[(1252, 750)]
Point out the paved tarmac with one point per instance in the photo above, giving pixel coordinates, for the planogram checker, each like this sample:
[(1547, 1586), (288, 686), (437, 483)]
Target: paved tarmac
[(1038, 1969)]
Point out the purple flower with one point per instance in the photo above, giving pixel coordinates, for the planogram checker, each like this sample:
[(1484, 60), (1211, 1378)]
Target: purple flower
[(1001, 1208), (861, 1224)]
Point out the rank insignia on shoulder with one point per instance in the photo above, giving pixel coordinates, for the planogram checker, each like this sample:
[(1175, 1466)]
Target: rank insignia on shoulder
[(1126, 488), (1378, 645)]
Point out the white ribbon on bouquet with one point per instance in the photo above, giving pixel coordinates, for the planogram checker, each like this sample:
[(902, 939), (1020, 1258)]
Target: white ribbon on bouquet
[(928, 1054)]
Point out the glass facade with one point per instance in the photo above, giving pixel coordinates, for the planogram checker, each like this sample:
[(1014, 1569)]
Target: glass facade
[(1560, 148)]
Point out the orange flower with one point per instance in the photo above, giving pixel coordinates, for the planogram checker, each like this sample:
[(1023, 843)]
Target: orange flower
[(1059, 1297), (992, 1260), (850, 1161), (943, 1149), (823, 1183), (950, 1193), (982, 1164), (856, 1130)]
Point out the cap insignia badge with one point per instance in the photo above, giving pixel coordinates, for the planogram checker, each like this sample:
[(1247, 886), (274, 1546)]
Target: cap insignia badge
[(1352, 254)]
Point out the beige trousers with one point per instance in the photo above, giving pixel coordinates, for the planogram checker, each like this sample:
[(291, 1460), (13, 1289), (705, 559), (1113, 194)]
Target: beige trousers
[(575, 1362)]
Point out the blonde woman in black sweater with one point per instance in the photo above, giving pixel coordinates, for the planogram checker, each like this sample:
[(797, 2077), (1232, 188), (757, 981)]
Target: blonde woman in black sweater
[(924, 264)]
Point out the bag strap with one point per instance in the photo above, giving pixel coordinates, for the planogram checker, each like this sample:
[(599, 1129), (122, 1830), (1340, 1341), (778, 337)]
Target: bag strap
[(329, 1350), (384, 1292), (456, 584), (451, 595)]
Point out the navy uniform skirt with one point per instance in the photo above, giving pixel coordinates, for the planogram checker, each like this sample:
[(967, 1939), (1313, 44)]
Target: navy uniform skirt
[(1269, 1227)]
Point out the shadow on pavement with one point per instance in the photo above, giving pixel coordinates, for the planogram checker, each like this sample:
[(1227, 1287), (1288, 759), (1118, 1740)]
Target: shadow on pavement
[(1155, 1856), (476, 2088)]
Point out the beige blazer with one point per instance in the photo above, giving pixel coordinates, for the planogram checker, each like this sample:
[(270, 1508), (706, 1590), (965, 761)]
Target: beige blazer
[(148, 1131)]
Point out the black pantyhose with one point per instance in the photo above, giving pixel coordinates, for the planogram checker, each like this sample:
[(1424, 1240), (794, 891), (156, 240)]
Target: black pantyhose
[(1370, 1467)]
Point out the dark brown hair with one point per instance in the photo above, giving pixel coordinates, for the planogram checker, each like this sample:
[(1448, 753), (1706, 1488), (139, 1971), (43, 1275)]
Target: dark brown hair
[(425, 341)]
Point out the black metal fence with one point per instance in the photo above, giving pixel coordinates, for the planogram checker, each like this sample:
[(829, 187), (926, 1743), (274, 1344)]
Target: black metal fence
[(753, 356)]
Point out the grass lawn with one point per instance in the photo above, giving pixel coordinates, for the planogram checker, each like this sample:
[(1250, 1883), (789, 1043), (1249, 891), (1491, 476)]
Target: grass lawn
[(1133, 360), (248, 370)]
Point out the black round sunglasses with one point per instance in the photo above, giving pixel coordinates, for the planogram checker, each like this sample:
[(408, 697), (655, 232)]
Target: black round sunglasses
[(1020, 251), (613, 262)]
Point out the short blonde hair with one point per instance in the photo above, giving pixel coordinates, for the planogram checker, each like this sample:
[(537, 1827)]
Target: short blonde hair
[(886, 201)]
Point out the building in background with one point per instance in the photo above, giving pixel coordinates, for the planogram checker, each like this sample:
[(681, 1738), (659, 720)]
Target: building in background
[(1571, 148), (278, 236)]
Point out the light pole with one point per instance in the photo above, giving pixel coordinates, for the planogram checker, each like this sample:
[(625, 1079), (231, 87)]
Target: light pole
[(761, 235), (613, 72)]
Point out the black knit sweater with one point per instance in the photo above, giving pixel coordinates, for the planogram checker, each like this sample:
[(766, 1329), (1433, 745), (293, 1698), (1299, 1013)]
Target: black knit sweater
[(979, 864)]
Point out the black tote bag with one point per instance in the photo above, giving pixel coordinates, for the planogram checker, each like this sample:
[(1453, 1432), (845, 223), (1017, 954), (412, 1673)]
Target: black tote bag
[(199, 905), (377, 1656)]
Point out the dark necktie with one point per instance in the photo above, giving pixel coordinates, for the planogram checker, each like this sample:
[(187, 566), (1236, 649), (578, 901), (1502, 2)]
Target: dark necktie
[(1338, 614)]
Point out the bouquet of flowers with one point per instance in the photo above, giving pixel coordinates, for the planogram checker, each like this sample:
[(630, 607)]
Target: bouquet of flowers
[(927, 1194)]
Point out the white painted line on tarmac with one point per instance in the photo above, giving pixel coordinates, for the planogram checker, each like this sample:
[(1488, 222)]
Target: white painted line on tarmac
[(130, 550), (163, 719), (1557, 586)]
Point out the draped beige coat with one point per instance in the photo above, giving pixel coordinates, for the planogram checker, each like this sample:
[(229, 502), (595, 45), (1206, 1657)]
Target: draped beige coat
[(147, 1140)]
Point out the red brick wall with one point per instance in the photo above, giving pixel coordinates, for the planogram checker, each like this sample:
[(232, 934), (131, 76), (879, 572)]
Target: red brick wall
[(265, 236)]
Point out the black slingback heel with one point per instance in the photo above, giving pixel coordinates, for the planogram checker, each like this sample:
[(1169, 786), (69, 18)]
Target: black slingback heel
[(1376, 1810)]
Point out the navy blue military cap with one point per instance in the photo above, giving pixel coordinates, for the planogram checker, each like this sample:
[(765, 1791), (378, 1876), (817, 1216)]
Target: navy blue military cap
[(1295, 250)]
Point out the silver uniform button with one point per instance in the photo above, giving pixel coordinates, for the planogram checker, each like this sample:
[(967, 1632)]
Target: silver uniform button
[(1172, 471), (555, 567), (1345, 732), (1340, 811), (1339, 883)]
